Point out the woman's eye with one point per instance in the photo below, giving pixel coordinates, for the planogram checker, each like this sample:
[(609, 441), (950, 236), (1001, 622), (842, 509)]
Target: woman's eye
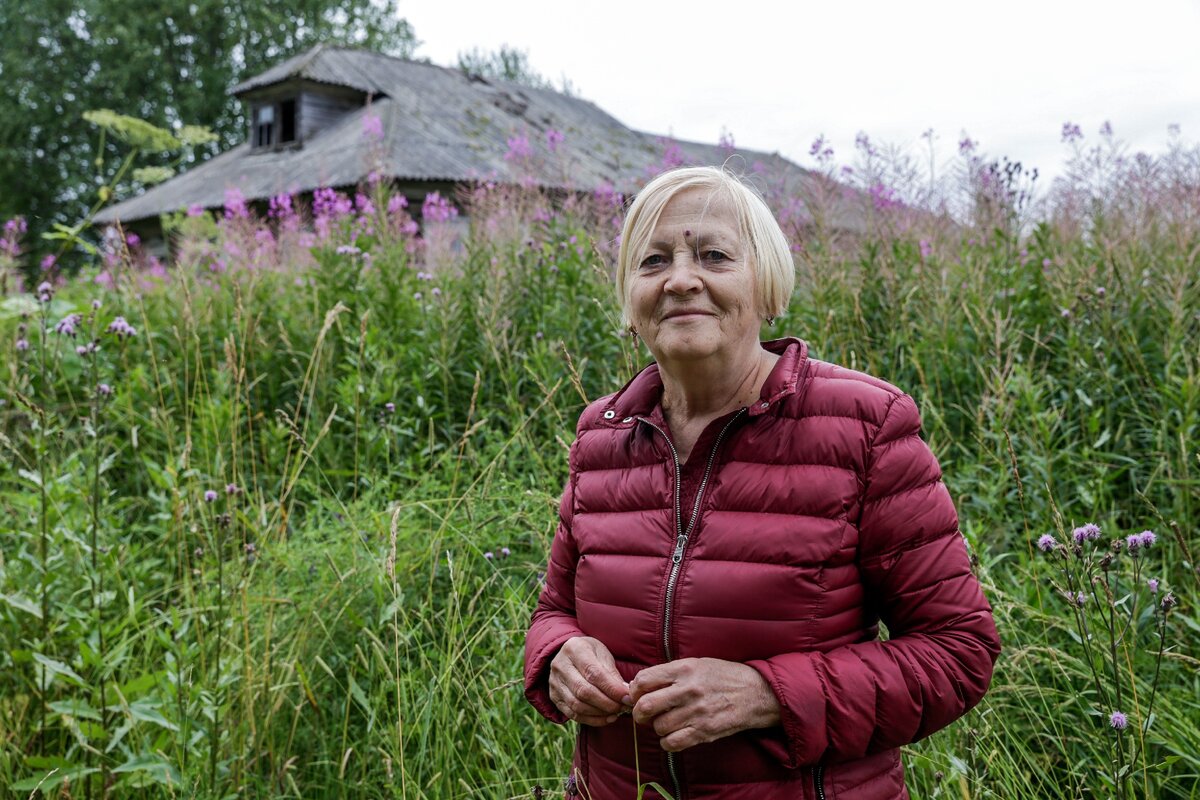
[(652, 260), (714, 255)]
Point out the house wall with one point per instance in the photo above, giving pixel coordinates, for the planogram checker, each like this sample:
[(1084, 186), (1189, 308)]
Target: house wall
[(318, 110)]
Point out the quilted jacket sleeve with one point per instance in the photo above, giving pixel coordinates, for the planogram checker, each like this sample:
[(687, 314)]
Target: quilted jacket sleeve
[(862, 698), (554, 618)]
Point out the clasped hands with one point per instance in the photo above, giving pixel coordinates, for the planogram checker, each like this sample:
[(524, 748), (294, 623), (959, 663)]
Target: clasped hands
[(688, 702)]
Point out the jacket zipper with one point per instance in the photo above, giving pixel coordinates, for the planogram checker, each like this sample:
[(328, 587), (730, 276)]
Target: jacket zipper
[(681, 540), (819, 780)]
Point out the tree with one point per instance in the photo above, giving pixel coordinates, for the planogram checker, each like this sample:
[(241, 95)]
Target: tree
[(169, 62), (507, 64)]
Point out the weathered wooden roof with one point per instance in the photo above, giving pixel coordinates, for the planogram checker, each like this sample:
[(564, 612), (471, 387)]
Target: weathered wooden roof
[(439, 125)]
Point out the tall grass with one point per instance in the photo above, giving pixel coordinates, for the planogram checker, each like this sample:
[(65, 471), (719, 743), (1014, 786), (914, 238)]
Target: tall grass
[(293, 553)]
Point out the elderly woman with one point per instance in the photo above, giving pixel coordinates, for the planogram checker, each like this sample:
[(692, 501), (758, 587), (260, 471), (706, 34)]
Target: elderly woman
[(738, 520)]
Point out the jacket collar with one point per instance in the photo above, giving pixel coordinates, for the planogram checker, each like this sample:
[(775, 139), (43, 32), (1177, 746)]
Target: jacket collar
[(643, 394)]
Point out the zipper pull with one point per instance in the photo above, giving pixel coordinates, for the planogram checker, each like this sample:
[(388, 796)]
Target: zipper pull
[(680, 543)]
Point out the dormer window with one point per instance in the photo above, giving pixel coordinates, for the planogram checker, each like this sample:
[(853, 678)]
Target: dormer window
[(274, 124)]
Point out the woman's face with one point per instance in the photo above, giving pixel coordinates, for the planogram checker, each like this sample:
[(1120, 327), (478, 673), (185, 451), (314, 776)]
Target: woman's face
[(692, 291)]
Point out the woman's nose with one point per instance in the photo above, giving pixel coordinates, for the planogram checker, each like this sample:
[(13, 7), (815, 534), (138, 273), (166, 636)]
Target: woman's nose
[(684, 275)]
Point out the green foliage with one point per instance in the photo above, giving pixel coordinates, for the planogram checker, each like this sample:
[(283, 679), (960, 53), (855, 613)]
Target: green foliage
[(330, 625), (166, 63)]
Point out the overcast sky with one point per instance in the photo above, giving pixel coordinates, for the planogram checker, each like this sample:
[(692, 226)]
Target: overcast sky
[(776, 75)]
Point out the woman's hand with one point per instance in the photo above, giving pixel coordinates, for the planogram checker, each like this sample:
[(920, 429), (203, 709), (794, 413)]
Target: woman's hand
[(585, 684), (697, 700)]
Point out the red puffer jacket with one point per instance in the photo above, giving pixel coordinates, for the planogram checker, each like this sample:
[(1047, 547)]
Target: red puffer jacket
[(819, 512)]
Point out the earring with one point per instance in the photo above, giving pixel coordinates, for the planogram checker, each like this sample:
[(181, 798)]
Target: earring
[(771, 321), (633, 331)]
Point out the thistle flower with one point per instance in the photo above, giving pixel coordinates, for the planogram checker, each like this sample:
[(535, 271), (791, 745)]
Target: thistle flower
[(45, 291), (1147, 538), (1153, 585), (232, 488), (96, 304), (1118, 720), (489, 555), (121, 328), (389, 408), (1133, 542), (1046, 543), (505, 552), (1168, 602), (66, 326), (103, 389), (1080, 599), (22, 345), (210, 496), (1088, 532)]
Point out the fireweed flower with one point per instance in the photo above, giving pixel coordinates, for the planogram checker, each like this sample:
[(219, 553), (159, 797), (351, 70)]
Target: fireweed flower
[(397, 203), (210, 496), (48, 262), (553, 139), (372, 128), (1088, 532), (926, 248), (518, 148), (1046, 543), (1071, 133), (1118, 720), (966, 146), (437, 208), (235, 204)]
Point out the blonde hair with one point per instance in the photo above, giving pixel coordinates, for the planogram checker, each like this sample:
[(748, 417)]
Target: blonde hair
[(766, 246)]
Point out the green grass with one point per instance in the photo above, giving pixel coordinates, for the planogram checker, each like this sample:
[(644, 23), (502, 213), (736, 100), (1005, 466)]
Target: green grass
[(367, 648)]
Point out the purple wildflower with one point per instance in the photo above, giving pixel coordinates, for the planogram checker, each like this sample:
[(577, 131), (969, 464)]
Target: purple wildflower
[(195, 210), (103, 389), (1106, 129), (820, 150), (45, 291), (1147, 538), (1169, 601), (1080, 599), (397, 203), (967, 146), (883, 197), (232, 488), (1152, 584), (1087, 532), (96, 304), (348, 250), (1133, 542), (553, 139), (505, 552), (121, 328), (518, 148), (1071, 133), (372, 128), (436, 292), (22, 345), (210, 496), (48, 262), (417, 295), (235, 204), (1118, 720), (437, 208), (489, 555), (389, 408), (132, 240), (926, 248), (1046, 543), (66, 327)]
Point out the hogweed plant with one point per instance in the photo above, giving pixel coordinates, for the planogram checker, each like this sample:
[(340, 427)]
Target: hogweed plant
[(1120, 608)]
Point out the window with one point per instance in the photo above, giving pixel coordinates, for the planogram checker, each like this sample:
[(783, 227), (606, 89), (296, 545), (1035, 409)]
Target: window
[(274, 124), (264, 126), (287, 121)]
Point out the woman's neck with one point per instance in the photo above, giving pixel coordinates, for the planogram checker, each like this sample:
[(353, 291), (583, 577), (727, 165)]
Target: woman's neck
[(707, 388)]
